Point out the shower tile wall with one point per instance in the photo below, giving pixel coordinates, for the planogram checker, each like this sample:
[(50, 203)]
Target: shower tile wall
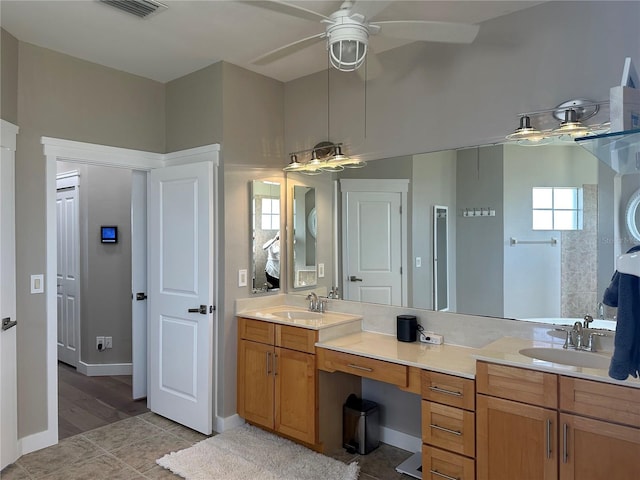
[(579, 262)]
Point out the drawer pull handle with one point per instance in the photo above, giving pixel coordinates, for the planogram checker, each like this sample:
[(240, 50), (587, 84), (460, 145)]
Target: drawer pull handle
[(448, 477), (565, 443), (446, 392), (358, 367), (448, 430), (548, 438)]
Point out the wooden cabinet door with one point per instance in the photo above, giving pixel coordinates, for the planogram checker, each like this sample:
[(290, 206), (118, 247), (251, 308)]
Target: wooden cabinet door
[(515, 441), (596, 450), (296, 388), (255, 382)]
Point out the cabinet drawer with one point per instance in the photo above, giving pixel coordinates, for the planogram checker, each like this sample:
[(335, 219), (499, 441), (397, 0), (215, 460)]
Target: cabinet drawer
[(614, 403), (387, 372), (448, 389), (296, 338), (519, 384), (450, 428), (438, 465), (256, 330)]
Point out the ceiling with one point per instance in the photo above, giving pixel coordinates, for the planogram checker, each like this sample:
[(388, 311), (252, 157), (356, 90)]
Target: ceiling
[(191, 35)]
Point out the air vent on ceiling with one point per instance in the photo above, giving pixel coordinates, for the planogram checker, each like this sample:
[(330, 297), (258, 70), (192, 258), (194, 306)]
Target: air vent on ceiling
[(139, 8)]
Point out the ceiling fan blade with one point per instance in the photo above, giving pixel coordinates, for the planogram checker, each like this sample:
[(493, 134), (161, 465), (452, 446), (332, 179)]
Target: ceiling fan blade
[(372, 67), (427, 31), (287, 9), (369, 9), (282, 52)]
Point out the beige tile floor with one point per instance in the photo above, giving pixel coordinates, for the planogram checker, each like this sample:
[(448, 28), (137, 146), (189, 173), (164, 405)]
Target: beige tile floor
[(129, 448)]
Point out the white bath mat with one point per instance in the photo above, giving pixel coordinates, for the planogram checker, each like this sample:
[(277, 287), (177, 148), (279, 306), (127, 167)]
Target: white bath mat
[(247, 452)]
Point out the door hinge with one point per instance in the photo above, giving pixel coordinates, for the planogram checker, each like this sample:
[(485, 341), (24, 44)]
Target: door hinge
[(212, 308), (400, 270)]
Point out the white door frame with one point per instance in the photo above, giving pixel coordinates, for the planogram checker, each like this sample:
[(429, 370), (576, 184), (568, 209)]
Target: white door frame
[(10, 446), (400, 186), (70, 151)]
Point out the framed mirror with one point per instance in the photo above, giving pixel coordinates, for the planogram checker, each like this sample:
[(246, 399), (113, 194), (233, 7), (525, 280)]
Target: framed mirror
[(440, 258), (303, 236), (265, 226)]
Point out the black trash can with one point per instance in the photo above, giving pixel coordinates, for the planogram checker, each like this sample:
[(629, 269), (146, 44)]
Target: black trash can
[(360, 425)]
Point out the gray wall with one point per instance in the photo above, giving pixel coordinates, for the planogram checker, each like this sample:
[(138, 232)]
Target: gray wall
[(434, 183), (194, 109), (90, 103), (8, 77), (479, 240)]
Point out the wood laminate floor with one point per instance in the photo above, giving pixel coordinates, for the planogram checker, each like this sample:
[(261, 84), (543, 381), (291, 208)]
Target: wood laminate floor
[(86, 403)]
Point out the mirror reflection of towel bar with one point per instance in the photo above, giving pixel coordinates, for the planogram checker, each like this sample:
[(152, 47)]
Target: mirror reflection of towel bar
[(514, 241)]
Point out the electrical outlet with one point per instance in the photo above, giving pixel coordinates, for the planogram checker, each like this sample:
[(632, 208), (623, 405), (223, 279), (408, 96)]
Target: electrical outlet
[(108, 342), (100, 343)]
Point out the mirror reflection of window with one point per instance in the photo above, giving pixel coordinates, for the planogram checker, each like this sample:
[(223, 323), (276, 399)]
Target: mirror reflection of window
[(559, 208)]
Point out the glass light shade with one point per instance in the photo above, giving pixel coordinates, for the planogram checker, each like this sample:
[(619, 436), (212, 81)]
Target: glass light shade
[(294, 165), (525, 134), (571, 128), (347, 42), (347, 55)]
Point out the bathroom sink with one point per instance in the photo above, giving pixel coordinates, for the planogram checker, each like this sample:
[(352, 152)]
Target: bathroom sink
[(575, 358), (297, 315)]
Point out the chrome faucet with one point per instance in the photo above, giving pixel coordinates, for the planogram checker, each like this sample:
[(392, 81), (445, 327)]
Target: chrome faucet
[(576, 335), (313, 302)]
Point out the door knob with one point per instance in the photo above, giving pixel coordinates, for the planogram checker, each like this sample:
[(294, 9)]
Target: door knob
[(353, 278), (202, 309)]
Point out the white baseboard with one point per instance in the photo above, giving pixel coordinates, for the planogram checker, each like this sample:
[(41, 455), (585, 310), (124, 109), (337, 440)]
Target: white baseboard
[(104, 369), (226, 423), (37, 441), (400, 440)]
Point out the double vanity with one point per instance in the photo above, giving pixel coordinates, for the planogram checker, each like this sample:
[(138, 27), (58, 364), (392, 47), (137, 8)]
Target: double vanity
[(515, 407)]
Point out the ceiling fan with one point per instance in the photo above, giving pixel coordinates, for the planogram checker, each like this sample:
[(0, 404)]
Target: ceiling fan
[(347, 31)]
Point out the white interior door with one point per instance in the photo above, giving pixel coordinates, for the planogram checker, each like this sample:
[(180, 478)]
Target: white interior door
[(68, 281), (139, 283), (8, 374), (372, 247), (180, 294)]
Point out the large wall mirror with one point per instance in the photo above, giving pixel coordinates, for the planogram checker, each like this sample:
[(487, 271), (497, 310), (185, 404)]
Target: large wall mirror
[(498, 263), (265, 225)]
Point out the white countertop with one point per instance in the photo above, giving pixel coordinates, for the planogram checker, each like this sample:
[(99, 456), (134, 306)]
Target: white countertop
[(505, 351), (461, 361), (450, 359), (300, 317)]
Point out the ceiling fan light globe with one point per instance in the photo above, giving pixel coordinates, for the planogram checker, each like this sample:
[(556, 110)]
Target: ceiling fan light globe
[(347, 55), (347, 42)]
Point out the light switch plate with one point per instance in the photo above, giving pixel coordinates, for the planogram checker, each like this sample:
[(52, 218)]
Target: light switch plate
[(418, 262), (37, 283), (321, 270), (242, 278)]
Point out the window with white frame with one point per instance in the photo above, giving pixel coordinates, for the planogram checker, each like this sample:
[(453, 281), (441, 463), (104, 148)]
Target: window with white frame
[(270, 217), (557, 208)]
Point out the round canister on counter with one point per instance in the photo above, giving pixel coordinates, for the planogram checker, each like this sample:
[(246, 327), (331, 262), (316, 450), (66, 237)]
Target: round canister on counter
[(407, 328)]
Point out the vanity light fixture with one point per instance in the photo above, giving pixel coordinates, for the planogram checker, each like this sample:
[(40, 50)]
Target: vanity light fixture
[(325, 157), (572, 115)]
